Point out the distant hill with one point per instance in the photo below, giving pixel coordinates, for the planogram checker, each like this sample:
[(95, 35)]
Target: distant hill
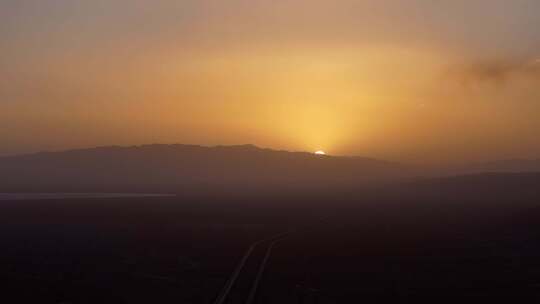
[(186, 167), (472, 189), (497, 166), (491, 182), (508, 165)]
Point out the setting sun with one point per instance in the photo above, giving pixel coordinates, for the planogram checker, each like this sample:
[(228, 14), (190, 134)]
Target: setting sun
[(320, 153)]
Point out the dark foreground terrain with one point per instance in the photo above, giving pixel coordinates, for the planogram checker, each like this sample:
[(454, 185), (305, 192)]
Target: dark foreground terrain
[(443, 241)]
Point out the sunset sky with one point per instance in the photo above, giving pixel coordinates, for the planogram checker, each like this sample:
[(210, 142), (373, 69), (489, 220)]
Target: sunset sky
[(410, 80)]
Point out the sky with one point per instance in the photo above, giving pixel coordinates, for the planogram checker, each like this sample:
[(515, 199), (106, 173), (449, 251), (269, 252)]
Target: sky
[(410, 80)]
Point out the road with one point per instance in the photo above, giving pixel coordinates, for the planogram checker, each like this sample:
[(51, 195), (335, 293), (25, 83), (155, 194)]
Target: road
[(243, 284)]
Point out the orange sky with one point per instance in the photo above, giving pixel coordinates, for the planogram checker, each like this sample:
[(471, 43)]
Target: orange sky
[(409, 80)]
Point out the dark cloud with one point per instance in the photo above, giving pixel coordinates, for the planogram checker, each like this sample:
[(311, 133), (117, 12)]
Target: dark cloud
[(498, 72)]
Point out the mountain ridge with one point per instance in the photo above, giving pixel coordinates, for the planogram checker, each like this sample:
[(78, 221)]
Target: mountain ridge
[(162, 166), (244, 147)]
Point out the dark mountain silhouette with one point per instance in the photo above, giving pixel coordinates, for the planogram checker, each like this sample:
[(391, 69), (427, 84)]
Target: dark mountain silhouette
[(476, 190), (496, 166), (494, 182), (186, 167), (508, 165)]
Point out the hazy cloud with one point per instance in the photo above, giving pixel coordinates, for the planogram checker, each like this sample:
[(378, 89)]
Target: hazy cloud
[(498, 72)]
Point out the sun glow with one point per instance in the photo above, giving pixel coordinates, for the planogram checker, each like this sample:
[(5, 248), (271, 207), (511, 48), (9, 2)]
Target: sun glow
[(320, 153)]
